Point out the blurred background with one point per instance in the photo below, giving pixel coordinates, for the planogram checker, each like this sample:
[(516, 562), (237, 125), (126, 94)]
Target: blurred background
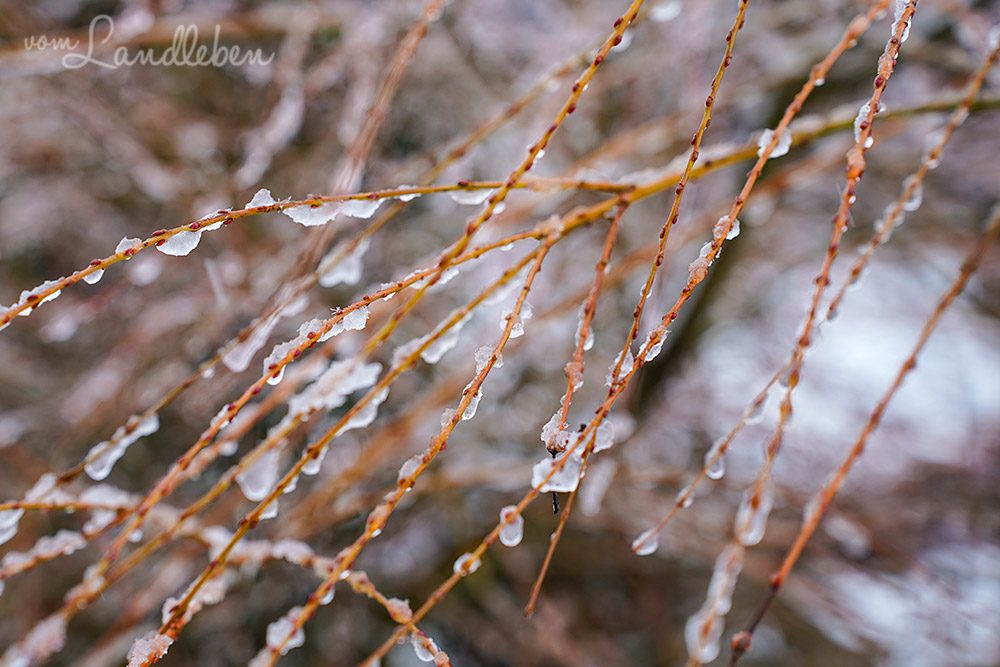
[(904, 571)]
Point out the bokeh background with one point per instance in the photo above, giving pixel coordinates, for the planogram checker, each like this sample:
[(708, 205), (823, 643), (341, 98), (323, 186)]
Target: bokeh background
[(905, 571)]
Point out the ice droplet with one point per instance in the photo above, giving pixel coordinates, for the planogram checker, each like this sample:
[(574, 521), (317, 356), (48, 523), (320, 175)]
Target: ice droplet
[(312, 216), (662, 12), (589, 342), (466, 564), (94, 278), (512, 530), (409, 467), (483, 355), (257, 479), (715, 460), (470, 197), (180, 244), (647, 542), (751, 517), (446, 342), (261, 198), (916, 197), (781, 148), (605, 437), (341, 266), (627, 362), (422, 652), (127, 244), (861, 118), (360, 208), (103, 456), (470, 409)]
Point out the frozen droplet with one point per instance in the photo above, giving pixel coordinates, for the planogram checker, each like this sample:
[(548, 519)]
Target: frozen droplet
[(751, 517), (715, 460), (180, 244), (445, 342), (328, 596), (512, 528), (343, 266), (665, 11), (127, 244), (517, 329), (257, 480), (563, 481), (702, 633), (781, 148), (360, 208), (589, 341), (916, 196), (819, 82), (470, 197), (756, 414), (312, 466), (605, 437), (647, 542), (367, 414), (724, 231), (311, 216), (9, 520), (470, 409), (261, 198), (409, 196), (685, 497), (423, 653), (94, 278), (653, 351), (399, 610), (466, 564)]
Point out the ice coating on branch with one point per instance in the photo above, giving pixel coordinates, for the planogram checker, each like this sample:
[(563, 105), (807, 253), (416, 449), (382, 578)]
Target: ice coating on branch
[(261, 198), (313, 215), (916, 197), (564, 481), (698, 269), (483, 355), (861, 119), (589, 342), (307, 331), (360, 208), (237, 357), (45, 639), (420, 648), (627, 362), (704, 629), (646, 543), (517, 330), (26, 296), (409, 467), (897, 17), (605, 438), (103, 456), (653, 351), (366, 415), (781, 148), (466, 564), (512, 528), (751, 517), (258, 479), (147, 649), (9, 520), (94, 278), (341, 266), (331, 389), (108, 496), (63, 543), (448, 340), (279, 630), (470, 197)]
